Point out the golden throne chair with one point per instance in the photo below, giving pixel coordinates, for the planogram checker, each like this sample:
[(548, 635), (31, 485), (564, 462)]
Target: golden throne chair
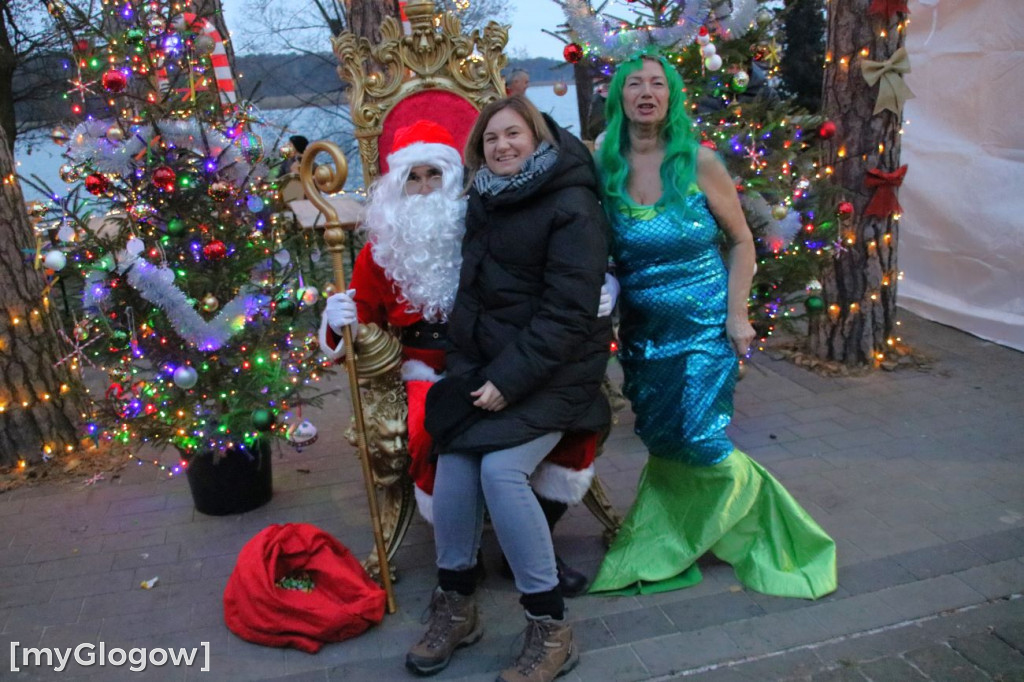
[(438, 72)]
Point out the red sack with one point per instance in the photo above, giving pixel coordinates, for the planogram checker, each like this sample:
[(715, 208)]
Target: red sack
[(343, 603)]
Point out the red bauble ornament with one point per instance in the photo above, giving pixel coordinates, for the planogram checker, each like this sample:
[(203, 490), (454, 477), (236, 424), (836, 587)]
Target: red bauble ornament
[(845, 209), (708, 143), (82, 46), (97, 184), (573, 52), (114, 81), (164, 178), (215, 250), (827, 130)]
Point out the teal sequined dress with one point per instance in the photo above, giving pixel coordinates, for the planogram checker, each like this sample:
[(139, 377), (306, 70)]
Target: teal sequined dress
[(697, 492)]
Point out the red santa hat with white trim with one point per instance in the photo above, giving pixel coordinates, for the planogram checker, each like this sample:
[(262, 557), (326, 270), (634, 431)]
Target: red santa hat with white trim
[(423, 143)]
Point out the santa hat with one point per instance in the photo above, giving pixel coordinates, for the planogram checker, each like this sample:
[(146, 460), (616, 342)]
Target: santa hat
[(423, 143)]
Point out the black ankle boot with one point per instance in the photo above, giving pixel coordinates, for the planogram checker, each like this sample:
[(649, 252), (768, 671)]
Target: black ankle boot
[(572, 582)]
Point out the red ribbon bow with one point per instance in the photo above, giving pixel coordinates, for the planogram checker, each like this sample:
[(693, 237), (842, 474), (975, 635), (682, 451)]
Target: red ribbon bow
[(884, 203), (887, 8)]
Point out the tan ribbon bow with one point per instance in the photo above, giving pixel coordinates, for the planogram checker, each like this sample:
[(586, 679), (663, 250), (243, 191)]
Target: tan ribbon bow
[(892, 91)]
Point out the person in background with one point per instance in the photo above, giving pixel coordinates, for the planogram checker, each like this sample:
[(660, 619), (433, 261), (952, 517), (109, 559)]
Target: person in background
[(683, 326), (517, 82), (595, 120), (526, 360), (288, 168)]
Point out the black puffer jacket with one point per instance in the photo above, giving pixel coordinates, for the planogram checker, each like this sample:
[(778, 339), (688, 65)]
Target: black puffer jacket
[(525, 316)]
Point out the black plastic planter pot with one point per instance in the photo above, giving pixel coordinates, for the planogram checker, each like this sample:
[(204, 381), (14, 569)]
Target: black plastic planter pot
[(237, 482)]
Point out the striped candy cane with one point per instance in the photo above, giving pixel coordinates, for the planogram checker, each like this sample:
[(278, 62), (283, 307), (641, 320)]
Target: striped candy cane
[(218, 58)]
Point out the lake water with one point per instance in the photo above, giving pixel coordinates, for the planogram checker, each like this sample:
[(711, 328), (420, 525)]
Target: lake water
[(37, 155)]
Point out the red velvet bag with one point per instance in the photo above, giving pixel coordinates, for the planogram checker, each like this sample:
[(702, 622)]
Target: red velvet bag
[(343, 602)]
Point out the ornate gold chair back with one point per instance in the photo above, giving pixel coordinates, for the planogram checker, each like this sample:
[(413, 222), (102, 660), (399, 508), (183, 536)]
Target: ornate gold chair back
[(435, 71)]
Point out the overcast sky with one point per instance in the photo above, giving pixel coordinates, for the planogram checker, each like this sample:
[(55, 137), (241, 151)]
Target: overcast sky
[(528, 19)]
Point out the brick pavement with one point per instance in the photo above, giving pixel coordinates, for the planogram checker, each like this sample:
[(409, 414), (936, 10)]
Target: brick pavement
[(917, 475)]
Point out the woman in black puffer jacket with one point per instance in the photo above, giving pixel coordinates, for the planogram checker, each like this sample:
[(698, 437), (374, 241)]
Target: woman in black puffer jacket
[(526, 359)]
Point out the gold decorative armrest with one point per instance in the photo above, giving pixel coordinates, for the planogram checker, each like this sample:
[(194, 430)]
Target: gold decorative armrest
[(385, 415)]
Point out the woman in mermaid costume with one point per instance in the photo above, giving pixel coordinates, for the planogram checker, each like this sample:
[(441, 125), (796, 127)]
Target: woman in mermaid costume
[(684, 322)]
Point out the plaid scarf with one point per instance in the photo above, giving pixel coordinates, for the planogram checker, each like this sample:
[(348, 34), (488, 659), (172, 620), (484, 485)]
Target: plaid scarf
[(489, 184)]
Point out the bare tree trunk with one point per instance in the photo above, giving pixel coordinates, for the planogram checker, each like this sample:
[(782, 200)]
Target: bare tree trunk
[(365, 17), (39, 402), (859, 287)]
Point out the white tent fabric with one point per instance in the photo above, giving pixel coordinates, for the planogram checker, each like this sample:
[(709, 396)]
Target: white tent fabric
[(962, 232)]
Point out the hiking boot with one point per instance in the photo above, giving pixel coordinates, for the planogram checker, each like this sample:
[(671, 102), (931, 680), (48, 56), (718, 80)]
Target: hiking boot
[(548, 652), (453, 623)]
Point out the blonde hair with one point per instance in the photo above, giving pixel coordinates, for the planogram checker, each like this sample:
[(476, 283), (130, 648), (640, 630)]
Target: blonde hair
[(474, 151)]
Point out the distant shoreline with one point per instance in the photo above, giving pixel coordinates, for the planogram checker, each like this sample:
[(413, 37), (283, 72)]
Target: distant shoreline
[(338, 97)]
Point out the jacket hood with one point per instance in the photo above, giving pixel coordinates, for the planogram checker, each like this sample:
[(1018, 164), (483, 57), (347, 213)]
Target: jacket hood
[(574, 168)]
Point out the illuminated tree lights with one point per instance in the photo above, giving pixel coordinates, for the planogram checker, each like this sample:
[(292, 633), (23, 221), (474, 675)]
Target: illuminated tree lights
[(190, 282)]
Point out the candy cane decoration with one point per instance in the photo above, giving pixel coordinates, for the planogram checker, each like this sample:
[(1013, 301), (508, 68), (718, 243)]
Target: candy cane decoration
[(218, 58)]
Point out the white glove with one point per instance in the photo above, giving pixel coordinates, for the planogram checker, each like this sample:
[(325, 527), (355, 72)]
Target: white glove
[(609, 294), (341, 312)]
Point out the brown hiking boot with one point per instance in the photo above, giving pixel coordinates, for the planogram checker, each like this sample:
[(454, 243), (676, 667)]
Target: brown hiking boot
[(548, 652), (453, 623)]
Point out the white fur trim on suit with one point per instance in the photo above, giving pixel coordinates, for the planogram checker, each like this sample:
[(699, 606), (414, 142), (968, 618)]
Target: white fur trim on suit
[(423, 154), (425, 504), (561, 484), (417, 370), (334, 354)]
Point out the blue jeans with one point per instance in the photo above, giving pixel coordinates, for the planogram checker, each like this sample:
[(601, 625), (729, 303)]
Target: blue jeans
[(462, 486)]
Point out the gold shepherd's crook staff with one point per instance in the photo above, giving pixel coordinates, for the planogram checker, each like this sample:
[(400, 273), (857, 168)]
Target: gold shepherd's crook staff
[(326, 179)]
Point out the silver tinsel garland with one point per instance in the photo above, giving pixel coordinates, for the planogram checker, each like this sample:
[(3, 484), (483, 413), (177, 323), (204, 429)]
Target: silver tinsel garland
[(609, 43), (156, 285)]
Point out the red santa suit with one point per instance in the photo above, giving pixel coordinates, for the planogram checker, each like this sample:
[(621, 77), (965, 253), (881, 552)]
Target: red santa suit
[(566, 473)]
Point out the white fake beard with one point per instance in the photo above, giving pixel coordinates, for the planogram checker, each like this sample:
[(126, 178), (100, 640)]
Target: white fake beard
[(417, 241)]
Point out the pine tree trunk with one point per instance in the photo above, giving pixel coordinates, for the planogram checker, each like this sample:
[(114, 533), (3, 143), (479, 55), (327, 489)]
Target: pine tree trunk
[(36, 415), (583, 77), (366, 16), (859, 287), (8, 62)]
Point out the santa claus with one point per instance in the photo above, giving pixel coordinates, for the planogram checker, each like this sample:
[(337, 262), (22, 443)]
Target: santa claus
[(405, 280)]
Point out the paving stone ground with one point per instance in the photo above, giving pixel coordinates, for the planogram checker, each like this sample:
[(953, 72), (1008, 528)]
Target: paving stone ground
[(917, 475)]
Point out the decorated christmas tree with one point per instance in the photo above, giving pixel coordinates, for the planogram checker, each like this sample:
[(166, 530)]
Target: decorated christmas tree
[(728, 53), (185, 283)]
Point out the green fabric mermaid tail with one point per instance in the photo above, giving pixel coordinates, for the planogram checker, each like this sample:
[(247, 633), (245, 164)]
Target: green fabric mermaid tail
[(736, 510)]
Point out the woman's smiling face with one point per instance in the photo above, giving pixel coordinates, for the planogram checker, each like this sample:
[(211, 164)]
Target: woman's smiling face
[(508, 142), (645, 94)]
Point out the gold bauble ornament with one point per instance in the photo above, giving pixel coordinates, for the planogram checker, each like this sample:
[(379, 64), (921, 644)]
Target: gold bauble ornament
[(329, 290), (210, 303), (322, 174), (286, 150), (68, 173), (114, 133), (779, 211), (60, 136)]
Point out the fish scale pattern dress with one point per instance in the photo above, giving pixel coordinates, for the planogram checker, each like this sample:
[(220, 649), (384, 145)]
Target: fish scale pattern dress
[(697, 493)]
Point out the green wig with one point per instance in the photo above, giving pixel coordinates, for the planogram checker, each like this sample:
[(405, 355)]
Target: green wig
[(678, 169)]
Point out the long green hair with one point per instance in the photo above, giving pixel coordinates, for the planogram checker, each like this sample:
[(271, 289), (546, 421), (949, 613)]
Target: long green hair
[(679, 167)]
